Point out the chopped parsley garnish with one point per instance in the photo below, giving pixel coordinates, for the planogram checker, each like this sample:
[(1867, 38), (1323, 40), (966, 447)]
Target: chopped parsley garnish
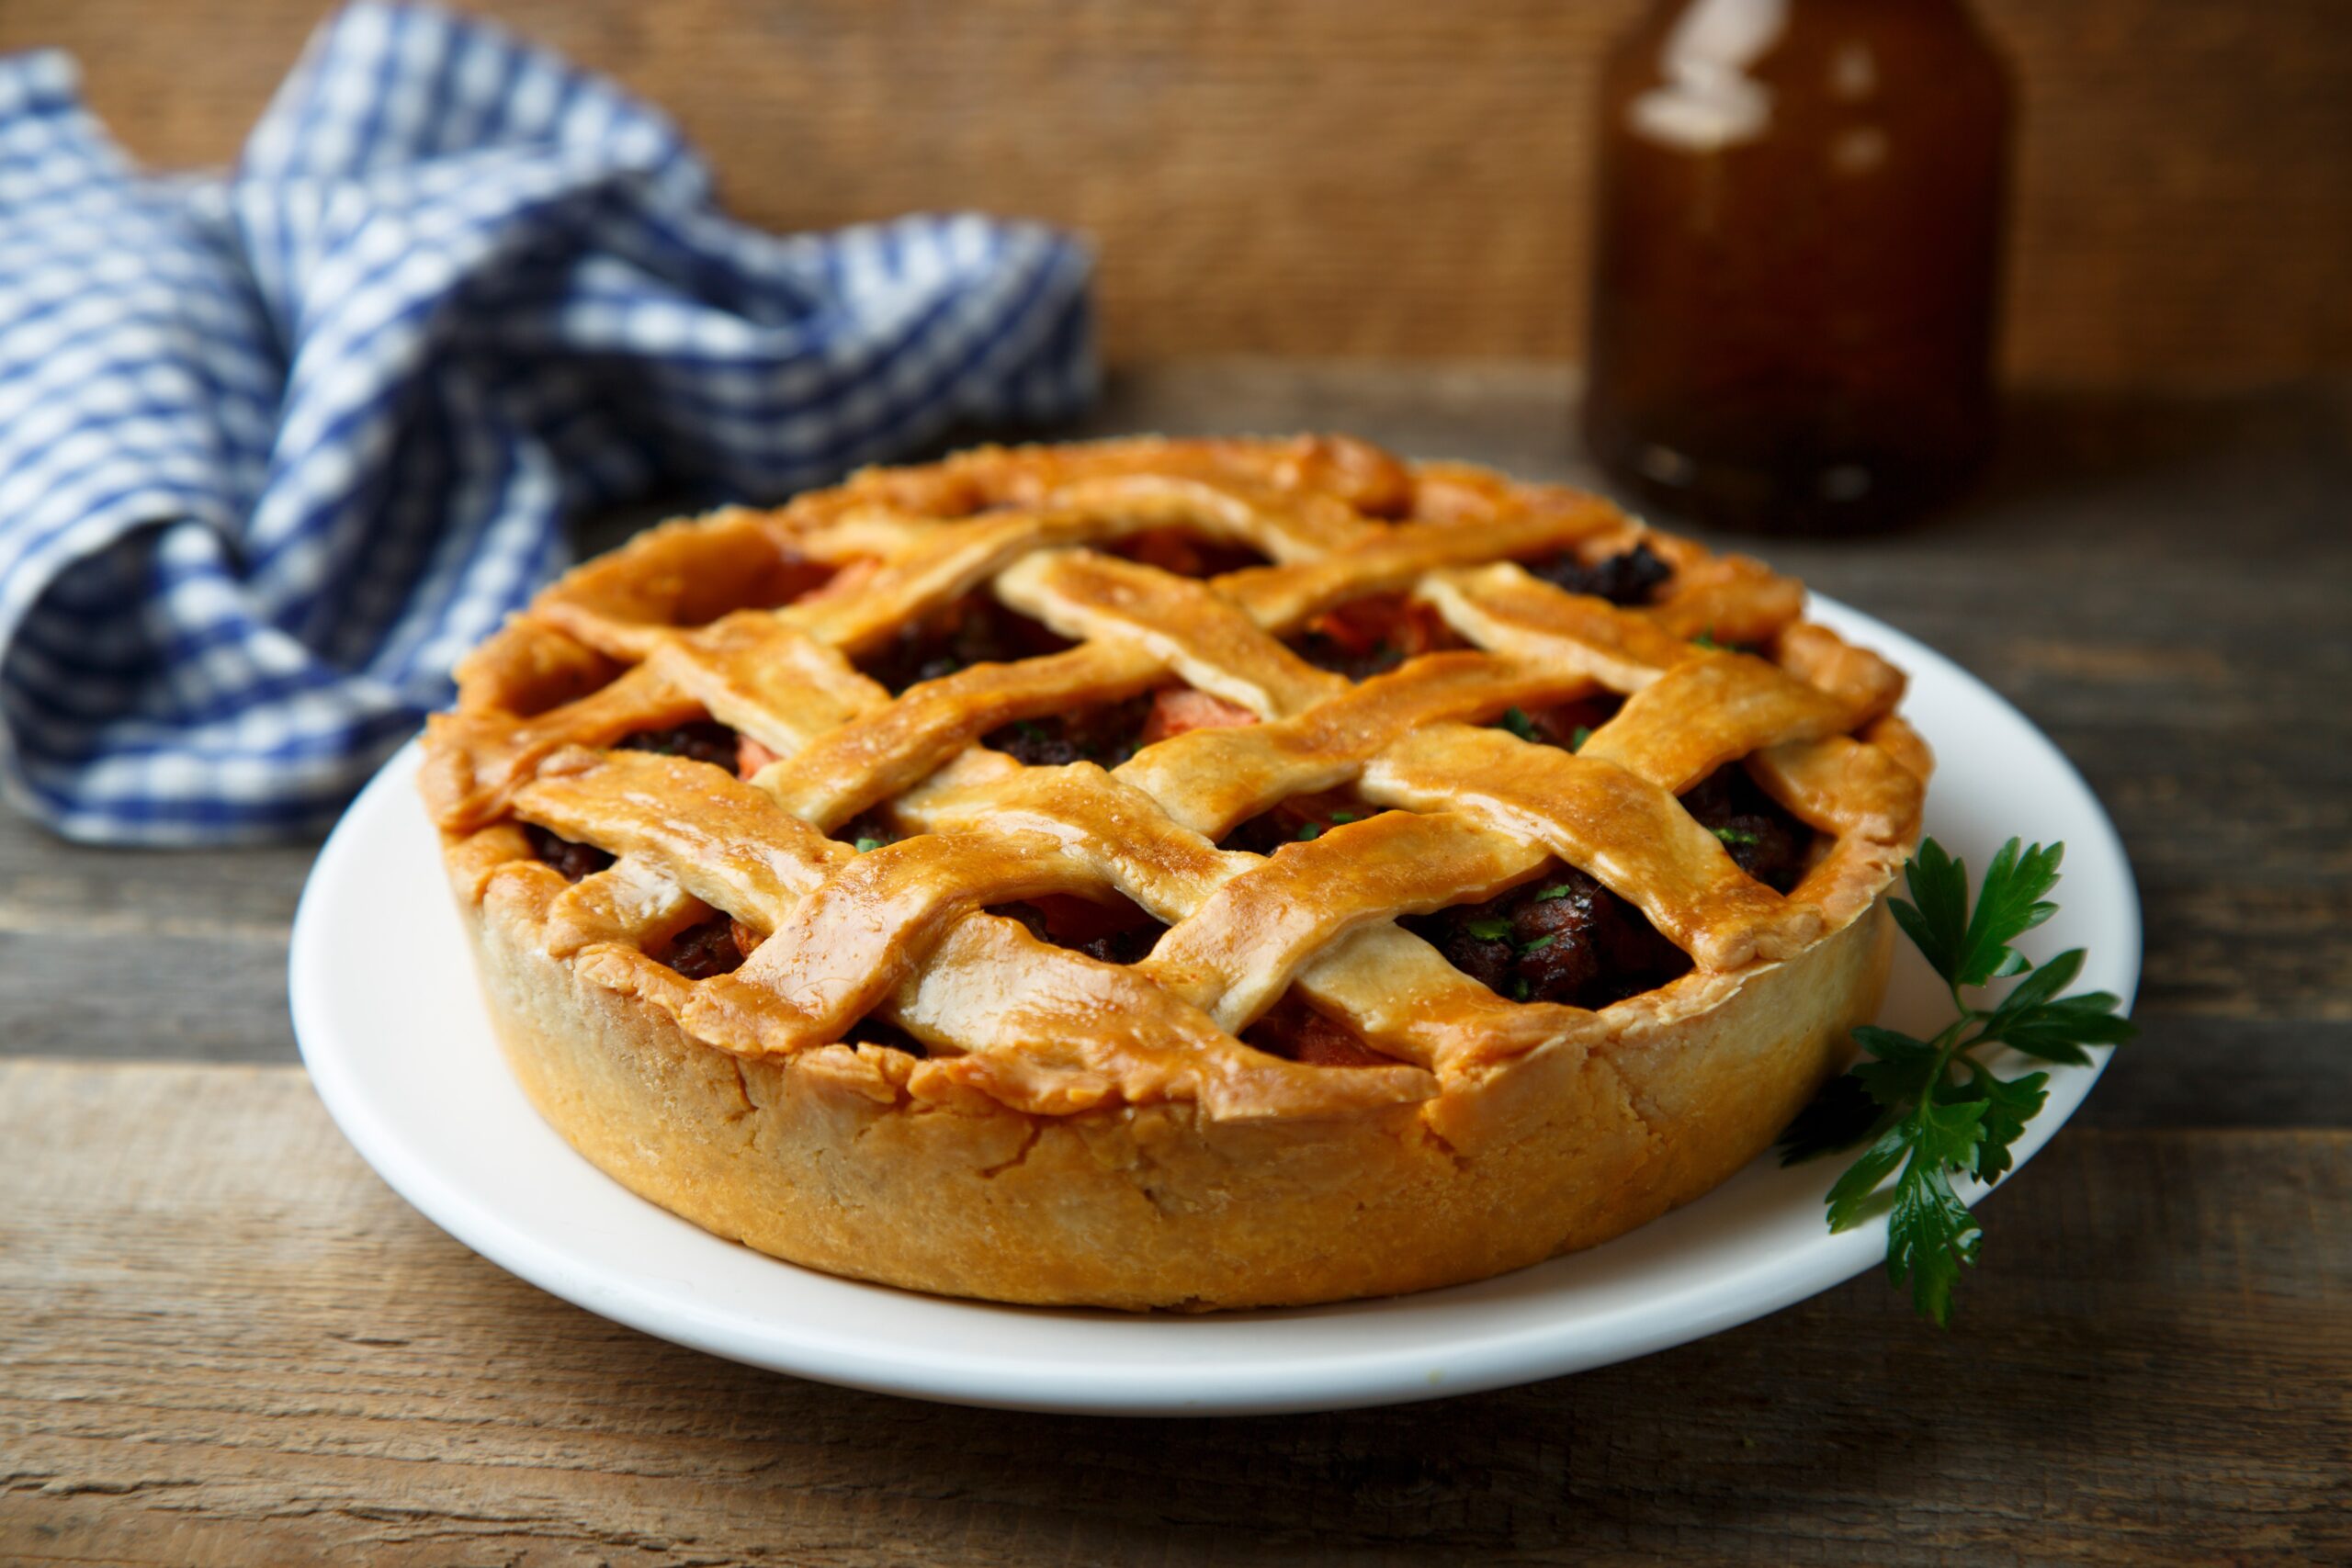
[(1707, 639), (1927, 1109), (1518, 723), (866, 844), (1561, 891), (1578, 737), (1736, 836), (1488, 928), (1520, 988), (1311, 833), (1540, 943), (1341, 818)]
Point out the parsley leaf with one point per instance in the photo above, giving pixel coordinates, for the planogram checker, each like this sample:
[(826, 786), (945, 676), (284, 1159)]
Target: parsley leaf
[(1520, 988), (866, 844), (1309, 833), (1579, 736), (1540, 943), (1561, 891), (2010, 1104), (1930, 1234), (1488, 928), (1736, 836), (1707, 639), (1971, 950), (1927, 1110), (1341, 818), (2009, 904), (1518, 723)]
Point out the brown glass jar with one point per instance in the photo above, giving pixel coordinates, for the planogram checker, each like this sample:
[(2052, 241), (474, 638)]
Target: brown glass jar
[(1795, 257)]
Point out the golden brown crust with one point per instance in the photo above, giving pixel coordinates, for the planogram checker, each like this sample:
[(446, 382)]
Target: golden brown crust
[(1082, 1132), (826, 1159)]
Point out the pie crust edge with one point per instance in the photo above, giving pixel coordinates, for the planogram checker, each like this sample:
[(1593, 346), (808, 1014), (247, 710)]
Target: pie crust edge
[(812, 1158)]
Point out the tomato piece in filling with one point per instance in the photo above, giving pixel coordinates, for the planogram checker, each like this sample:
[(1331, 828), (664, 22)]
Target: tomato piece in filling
[(1179, 710), (751, 757), (1366, 637)]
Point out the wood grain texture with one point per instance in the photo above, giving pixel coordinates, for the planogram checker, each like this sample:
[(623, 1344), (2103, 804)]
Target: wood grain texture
[(217, 1357), (1390, 177)]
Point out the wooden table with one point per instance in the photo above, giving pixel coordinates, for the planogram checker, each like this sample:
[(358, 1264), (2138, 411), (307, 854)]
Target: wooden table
[(223, 1340)]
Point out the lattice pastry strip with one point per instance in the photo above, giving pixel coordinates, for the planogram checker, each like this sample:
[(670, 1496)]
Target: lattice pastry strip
[(1205, 637), (1623, 829), (901, 932), (987, 987)]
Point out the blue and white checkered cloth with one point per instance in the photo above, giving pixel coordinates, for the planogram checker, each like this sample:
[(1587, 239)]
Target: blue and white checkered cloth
[(275, 448)]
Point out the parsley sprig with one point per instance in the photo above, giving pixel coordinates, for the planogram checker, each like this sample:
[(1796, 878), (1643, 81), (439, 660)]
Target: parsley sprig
[(1928, 1108)]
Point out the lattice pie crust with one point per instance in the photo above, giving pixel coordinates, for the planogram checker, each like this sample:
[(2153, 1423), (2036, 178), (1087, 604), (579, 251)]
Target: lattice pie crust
[(899, 1086)]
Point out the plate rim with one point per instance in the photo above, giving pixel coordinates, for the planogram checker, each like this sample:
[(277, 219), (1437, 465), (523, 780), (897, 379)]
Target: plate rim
[(1382, 1375)]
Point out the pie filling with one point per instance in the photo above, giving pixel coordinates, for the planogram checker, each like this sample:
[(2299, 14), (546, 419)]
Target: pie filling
[(1295, 1031), (572, 860), (1116, 930), (1562, 938), (1565, 724), (1110, 733), (701, 951), (1566, 938), (1184, 553), (872, 1031), (1630, 578), (1372, 635), (1301, 819), (704, 741), (975, 629)]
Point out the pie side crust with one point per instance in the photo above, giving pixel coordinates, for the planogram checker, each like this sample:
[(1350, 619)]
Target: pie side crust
[(820, 1159)]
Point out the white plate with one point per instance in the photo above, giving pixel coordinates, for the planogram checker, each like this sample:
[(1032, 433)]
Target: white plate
[(385, 1006)]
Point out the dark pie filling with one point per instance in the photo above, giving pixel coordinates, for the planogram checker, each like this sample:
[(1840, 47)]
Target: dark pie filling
[(866, 830), (1119, 932), (1372, 635), (574, 860), (1184, 553), (704, 741), (1108, 733), (1764, 841), (1561, 938), (976, 629), (710, 948), (1301, 819), (1630, 578), (1296, 1032), (1565, 724), (875, 1032)]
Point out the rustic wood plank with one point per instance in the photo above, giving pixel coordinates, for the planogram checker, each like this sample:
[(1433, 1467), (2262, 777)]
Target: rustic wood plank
[(228, 1343), (1388, 177)]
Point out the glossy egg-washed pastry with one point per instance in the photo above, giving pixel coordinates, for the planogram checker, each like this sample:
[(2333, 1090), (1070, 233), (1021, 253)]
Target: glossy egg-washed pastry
[(1174, 874)]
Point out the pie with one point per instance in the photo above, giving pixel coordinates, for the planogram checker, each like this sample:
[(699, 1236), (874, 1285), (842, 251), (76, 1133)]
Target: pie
[(1174, 874)]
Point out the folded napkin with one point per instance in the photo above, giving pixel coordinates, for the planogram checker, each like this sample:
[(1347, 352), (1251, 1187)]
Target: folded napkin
[(277, 446)]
